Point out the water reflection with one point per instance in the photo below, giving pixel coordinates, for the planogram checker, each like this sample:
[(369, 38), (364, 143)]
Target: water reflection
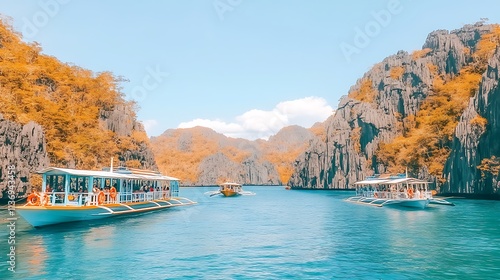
[(275, 234), (36, 260)]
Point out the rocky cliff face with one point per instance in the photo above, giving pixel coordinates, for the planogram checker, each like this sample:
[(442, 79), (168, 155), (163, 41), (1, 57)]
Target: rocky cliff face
[(23, 148), (80, 114), (252, 171), (400, 83), (122, 121), (474, 142)]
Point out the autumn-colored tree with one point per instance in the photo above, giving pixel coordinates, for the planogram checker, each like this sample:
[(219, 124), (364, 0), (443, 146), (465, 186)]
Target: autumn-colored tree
[(485, 49), (365, 93), (489, 167), (420, 53), (397, 72), (490, 170), (66, 100)]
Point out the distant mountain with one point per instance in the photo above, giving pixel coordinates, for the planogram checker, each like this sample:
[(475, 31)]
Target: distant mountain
[(201, 156), (434, 111), (52, 113)]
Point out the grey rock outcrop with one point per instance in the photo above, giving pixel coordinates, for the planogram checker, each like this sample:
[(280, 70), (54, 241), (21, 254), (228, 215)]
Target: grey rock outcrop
[(358, 127), (252, 171), (24, 148), (122, 121), (472, 142), (290, 137)]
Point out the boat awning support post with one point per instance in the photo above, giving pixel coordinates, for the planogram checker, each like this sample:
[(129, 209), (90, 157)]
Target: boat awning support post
[(91, 184), (66, 188), (44, 182)]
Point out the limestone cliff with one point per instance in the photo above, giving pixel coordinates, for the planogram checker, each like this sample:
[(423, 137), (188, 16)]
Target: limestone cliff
[(122, 121), (378, 107), (252, 171), (475, 141), (57, 112), (24, 148)]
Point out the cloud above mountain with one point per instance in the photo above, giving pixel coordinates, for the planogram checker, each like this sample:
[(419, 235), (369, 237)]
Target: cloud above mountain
[(255, 124)]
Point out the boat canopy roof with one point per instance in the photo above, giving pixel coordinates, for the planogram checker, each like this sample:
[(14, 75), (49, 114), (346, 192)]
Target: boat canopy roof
[(230, 184), (129, 174), (390, 181), (371, 181)]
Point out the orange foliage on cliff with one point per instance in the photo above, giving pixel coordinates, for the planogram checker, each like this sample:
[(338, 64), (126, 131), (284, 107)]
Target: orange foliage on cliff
[(420, 53), (486, 47), (397, 72), (283, 160), (66, 100), (365, 93), (428, 142)]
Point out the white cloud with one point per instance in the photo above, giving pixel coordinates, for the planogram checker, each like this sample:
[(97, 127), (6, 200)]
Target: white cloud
[(305, 111), (216, 125), (149, 125), (256, 123)]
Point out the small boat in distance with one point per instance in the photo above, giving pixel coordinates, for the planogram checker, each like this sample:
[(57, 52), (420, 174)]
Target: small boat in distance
[(396, 190), (70, 195), (228, 189)]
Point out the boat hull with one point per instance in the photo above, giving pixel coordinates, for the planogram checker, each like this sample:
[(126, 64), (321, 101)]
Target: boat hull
[(411, 203), (40, 216), (229, 193), (44, 216)]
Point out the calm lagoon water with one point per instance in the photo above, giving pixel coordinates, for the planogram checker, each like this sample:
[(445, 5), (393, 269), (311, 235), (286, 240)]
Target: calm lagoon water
[(275, 234)]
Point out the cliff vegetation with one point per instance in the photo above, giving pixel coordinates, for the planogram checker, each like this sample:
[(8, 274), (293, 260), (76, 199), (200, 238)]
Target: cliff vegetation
[(81, 116), (434, 111)]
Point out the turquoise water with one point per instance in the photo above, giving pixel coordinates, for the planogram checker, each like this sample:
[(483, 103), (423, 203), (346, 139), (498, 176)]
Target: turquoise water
[(275, 234)]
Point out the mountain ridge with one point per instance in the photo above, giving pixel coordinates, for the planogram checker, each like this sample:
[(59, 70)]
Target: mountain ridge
[(213, 157)]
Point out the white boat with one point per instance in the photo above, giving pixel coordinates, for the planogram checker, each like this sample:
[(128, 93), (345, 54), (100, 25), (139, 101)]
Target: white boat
[(395, 191), (70, 195), (228, 189)]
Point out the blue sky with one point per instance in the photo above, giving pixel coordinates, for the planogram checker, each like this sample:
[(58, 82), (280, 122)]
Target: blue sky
[(245, 68)]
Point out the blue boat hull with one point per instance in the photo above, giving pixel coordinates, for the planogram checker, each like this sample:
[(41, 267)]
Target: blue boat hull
[(39, 216)]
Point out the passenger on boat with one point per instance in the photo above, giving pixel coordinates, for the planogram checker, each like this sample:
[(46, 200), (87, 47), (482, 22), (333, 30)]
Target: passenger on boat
[(410, 192), (95, 189)]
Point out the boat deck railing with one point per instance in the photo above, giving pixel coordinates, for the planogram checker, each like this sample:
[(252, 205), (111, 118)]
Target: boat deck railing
[(393, 194), (87, 199)]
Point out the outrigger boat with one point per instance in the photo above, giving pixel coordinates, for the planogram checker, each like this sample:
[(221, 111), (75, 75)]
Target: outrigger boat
[(395, 190), (70, 195), (230, 189)]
